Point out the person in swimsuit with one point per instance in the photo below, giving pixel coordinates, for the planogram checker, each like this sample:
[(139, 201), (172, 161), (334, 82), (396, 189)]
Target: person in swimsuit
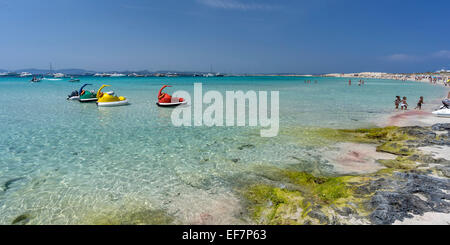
[(404, 104), (397, 101), (419, 104)]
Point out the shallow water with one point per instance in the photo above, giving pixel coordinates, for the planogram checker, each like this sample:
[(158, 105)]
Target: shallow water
[(63, 162)]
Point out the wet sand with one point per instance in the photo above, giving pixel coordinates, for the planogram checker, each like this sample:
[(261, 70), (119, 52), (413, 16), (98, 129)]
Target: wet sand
[(356, 158)]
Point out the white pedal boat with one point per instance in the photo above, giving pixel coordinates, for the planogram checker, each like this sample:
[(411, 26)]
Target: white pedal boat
[(73, 98), (171, 104), (113, 103), (442, 112)]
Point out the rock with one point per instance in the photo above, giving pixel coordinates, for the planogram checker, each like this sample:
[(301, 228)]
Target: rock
[(441, 127), (427, 159), (418, 132), (405, 188), (8, 183), (249, 146), (445, 170), (131, 217), (371, 187), (400, 203), (323, 219), (362, 190), (22, 219), (391, 206), (345, 211)]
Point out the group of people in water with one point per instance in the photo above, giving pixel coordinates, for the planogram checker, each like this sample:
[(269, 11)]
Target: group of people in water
[(361, 82), (435, 80), (401, 102), (403, 105)]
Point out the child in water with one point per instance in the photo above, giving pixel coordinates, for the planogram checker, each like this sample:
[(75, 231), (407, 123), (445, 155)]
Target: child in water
[(403, 104), (397, 101), (419, 104)]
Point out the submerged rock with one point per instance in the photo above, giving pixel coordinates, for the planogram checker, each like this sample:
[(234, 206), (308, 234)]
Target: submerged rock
[(303, 199), (246, 146), (22, 219), (8, 183), (137, 217)]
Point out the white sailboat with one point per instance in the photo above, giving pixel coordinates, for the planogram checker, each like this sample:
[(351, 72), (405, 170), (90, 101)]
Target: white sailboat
[(56, 76)]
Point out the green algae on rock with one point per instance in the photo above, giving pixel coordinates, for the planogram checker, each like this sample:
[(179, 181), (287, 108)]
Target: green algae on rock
[(303, 199), (325, 136), (328, 189), (296, 197), (371, 135), (399, 163), (274, 205), (396, 148)]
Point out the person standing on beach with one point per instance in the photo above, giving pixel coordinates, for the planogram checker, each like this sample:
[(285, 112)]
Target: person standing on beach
[(397, 101), (419, 104), (349, 82)]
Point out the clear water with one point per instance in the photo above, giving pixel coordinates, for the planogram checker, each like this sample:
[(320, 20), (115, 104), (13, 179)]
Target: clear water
[(63, 162)]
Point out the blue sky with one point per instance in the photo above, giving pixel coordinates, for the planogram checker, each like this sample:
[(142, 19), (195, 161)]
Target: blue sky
[(231, 35)]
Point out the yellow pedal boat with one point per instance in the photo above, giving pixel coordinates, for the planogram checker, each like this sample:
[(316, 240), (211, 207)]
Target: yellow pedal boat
[(105, 99)]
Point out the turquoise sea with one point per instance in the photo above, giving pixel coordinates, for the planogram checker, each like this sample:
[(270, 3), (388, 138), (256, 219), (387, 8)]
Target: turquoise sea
[(63, 162)]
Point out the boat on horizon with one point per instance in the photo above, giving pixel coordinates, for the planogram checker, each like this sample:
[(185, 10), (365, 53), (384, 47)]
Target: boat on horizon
[(59, 75), (117, 75), (35, 79), (101, 75), (74, 80), (25, 74)]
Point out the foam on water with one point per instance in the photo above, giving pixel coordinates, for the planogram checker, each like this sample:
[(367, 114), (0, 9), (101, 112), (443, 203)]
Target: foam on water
[(63, 162)]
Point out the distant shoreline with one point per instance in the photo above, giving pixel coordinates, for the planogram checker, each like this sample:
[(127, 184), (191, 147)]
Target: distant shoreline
[(436, 78)]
